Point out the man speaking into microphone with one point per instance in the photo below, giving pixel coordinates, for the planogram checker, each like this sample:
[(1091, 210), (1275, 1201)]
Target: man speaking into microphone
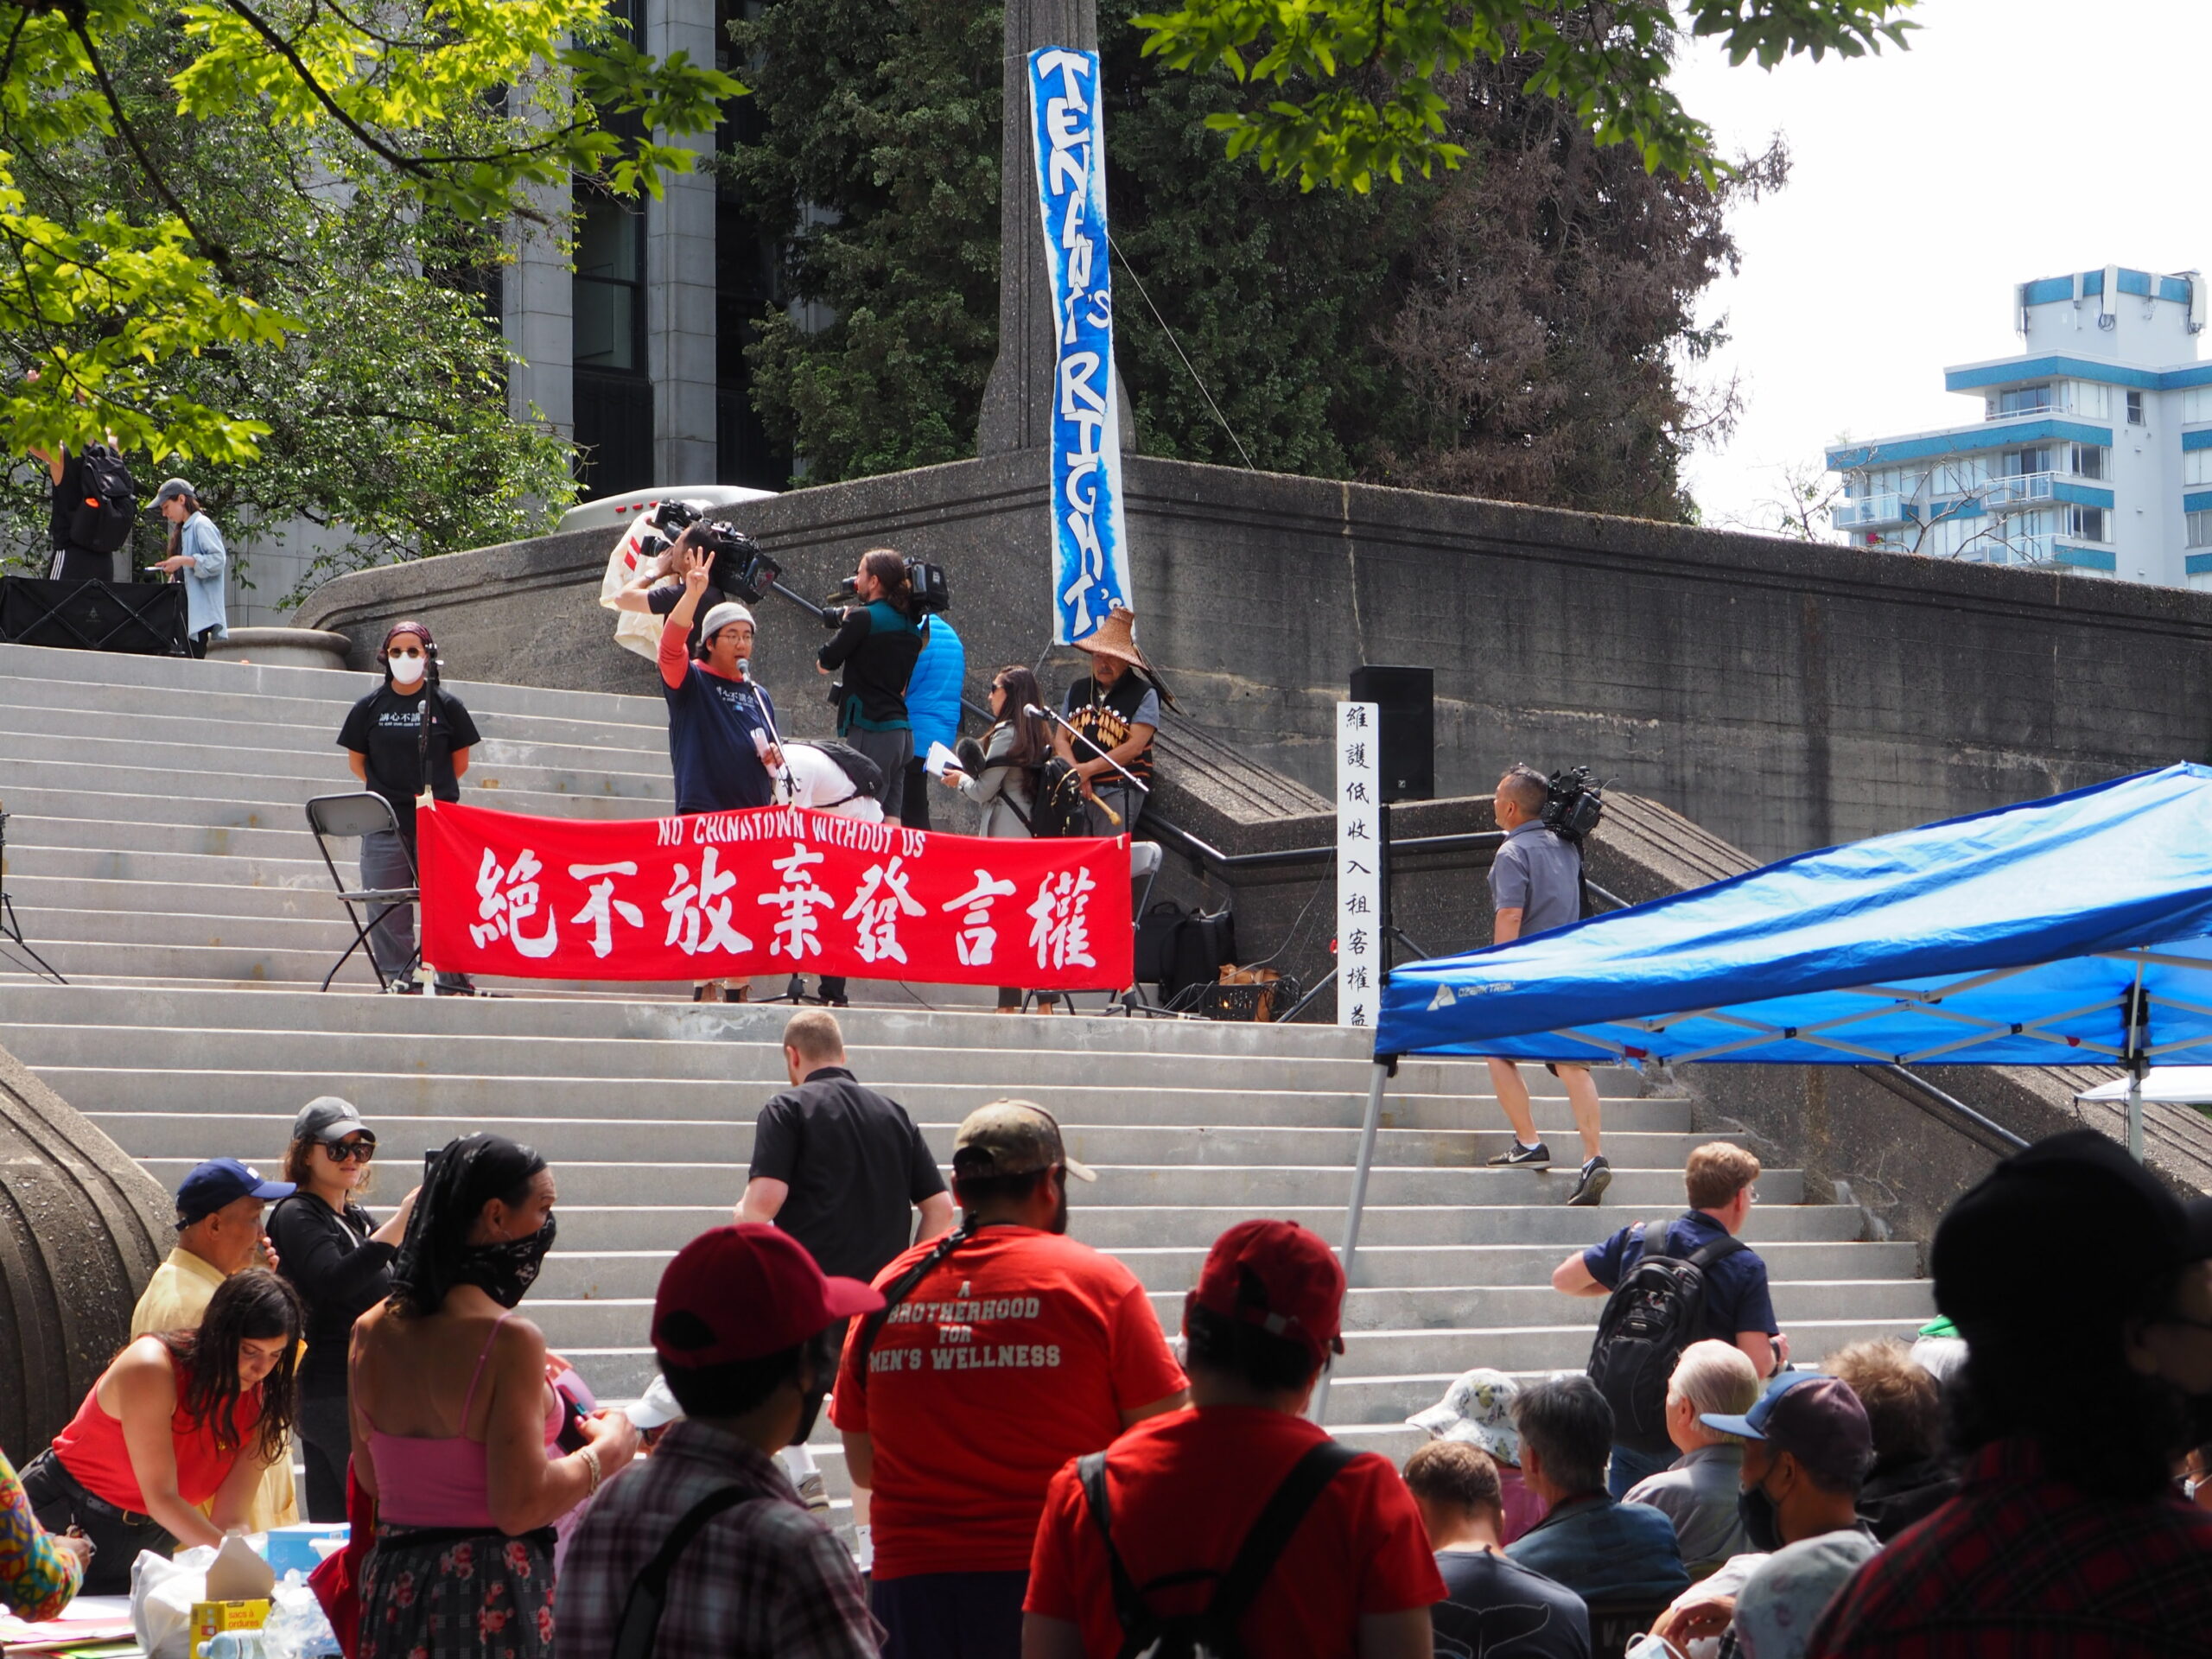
[(721, 726)]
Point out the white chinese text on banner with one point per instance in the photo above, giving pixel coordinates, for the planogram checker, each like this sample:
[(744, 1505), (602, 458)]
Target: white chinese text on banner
[(1359, 865), (1091, 566)]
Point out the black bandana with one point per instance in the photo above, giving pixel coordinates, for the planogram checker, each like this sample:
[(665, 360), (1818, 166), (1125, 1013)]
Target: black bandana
[(505, 1271)]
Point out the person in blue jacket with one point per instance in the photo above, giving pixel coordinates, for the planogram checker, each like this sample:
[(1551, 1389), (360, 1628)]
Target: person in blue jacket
[(195, 549), (933, 706)]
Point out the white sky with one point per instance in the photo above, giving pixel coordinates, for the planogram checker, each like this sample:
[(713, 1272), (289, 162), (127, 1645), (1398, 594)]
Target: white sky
[(2015, 139)]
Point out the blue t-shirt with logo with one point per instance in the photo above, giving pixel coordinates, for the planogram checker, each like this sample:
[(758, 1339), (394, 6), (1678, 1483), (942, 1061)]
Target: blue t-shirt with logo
[(711, 721)]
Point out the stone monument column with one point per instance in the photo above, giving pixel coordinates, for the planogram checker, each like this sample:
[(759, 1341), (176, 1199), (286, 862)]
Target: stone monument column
[(1017, 409)]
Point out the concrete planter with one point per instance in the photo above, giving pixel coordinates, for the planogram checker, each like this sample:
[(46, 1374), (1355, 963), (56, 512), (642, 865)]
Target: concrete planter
[(282, 648)]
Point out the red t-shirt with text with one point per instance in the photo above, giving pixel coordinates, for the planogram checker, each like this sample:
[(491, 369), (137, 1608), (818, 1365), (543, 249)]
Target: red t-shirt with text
[(1184, 1490), (1018, 1353)]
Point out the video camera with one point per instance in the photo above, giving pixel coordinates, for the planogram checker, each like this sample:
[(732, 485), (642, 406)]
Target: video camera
[(736, 564), (933, 593), (1574, 802)]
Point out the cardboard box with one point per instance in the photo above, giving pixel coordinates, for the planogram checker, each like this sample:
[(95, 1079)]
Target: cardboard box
[(213, 1617)]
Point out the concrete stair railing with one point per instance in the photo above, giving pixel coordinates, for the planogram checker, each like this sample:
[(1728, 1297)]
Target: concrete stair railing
[(157, 855)]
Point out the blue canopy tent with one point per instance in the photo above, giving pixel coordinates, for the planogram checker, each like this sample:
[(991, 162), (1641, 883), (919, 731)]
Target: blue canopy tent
[(2063, 930)]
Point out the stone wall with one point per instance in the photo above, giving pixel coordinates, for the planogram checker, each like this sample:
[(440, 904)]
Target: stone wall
[(1782, 696)]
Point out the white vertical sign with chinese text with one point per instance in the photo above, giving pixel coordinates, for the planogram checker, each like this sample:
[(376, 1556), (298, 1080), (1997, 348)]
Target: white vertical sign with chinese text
[(1090, 563), (1359, 865)]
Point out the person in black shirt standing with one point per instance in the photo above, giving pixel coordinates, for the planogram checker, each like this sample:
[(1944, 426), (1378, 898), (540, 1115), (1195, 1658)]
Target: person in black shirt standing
[(877, 645), (64, 469), (1116, 713), (839, 1167), (382, 737), (339, 1260)]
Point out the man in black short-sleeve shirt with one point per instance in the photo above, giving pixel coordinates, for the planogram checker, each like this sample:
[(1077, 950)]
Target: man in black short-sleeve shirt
[(837, 1165)]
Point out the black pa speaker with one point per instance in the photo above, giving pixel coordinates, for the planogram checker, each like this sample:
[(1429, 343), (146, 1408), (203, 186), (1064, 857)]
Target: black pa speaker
[(144, 617), (1406, 700)]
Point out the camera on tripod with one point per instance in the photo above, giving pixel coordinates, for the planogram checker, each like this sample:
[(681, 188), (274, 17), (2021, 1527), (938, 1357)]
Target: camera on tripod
[(1574, 802)]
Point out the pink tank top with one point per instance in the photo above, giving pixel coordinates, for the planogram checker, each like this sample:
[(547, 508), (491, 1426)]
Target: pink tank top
[(441, 1480)]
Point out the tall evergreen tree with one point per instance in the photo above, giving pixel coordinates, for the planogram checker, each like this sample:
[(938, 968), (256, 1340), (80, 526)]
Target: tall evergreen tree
[(1524, 327)]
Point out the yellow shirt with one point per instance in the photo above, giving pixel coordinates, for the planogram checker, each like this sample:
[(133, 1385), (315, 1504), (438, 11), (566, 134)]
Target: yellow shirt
[(175, 1298)]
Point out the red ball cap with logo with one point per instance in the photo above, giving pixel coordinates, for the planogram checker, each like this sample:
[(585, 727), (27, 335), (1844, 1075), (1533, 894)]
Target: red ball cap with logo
[(744, 1292), (1280, 1277)]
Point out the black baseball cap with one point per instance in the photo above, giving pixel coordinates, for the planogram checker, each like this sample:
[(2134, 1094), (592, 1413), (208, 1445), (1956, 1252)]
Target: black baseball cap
[(1815, 1419), (220, 1181), (2124, 1230), (329, 1120)]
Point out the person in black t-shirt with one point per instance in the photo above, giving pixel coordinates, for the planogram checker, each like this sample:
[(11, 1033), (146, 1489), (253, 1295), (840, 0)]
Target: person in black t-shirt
[(382, 737), (839, 1167), (1495, 1604)]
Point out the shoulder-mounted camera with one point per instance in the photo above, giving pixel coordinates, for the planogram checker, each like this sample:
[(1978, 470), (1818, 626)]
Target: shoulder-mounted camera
[(1574, 802)]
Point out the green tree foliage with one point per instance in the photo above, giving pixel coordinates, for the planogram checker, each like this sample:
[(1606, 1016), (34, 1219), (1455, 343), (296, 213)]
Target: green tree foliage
[(881, 165), (1351, 91), (102, 296), (1524, 327)]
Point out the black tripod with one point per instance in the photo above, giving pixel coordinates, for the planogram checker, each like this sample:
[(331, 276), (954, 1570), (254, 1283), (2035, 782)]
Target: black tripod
[(11, 931)]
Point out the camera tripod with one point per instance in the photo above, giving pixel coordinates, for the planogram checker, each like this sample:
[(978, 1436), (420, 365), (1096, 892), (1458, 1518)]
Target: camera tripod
[(11, 931)]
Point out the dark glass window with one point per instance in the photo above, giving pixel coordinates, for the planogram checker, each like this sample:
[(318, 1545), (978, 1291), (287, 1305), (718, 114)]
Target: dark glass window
[(610, 285)]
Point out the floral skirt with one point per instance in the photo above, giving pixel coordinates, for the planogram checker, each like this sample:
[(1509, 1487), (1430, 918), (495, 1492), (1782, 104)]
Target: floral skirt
[(452, 1595)]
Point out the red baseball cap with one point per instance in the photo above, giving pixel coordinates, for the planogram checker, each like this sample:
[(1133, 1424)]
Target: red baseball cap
[(744, 1292), (1280, 1277)]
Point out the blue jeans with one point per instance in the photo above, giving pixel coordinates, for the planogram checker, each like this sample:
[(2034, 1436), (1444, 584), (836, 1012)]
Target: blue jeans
[(1630, 1466), (950, 1615)]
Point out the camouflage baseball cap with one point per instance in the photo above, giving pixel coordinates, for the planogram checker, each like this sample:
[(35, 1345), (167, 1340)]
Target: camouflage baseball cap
[(1012, 1137)]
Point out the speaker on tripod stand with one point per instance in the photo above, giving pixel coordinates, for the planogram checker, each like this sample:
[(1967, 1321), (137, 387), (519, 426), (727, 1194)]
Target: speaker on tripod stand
[(1405, 702), (11, 931)]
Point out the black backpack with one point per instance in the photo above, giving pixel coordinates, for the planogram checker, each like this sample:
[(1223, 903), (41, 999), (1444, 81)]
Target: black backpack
[(1211, 1634), (862, 773), (1655, 1312), (107, 501)]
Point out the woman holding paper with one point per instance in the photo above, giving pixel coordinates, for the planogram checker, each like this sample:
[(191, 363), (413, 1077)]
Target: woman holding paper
[(1005, 781)]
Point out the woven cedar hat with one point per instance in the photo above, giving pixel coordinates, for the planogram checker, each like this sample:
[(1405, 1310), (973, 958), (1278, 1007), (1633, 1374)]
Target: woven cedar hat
[(1117, 637)]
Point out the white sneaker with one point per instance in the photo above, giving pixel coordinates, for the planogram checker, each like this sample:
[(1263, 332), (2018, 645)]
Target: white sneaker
[(814, 1493)]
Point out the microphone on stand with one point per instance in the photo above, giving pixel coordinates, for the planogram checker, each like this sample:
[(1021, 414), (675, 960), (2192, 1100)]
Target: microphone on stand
[(775, 737)]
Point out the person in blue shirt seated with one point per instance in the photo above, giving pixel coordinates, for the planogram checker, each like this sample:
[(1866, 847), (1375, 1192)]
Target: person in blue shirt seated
[(1720, 1181), (1603, 1550)]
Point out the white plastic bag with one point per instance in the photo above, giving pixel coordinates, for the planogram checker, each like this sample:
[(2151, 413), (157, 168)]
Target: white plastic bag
[(633, 630), (297, 1627), (162, 1593)]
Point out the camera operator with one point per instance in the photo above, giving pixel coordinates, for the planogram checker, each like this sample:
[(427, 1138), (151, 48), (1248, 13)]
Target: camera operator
[(1536, 884), (384, 738), (659, 588), (877, 646), (720, 725), (1116, 710)]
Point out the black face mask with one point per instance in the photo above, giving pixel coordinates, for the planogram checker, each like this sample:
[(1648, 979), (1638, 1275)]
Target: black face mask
[(505, 1271), (1762, 1519)]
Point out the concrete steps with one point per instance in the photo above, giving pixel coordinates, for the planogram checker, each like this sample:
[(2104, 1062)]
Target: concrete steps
[(158, 857)]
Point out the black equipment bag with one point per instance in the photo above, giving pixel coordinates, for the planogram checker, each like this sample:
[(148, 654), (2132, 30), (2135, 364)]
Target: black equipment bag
[(1211, 1634), (143, 617), (638, 1631), (100, 518), (1655, 1312), (1157, 929), (1206, 942), (865, 776)]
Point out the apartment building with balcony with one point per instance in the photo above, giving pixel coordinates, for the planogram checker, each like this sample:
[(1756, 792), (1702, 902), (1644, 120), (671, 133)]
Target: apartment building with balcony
[(2093, 454)]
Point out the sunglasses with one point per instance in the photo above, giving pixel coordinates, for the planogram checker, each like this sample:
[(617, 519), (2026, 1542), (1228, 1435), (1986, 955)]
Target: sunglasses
[(405, 650), (358, 1150)]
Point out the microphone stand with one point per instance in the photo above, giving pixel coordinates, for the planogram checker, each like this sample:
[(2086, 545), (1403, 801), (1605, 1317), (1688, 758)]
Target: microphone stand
[(794, 992), (1135, 782)]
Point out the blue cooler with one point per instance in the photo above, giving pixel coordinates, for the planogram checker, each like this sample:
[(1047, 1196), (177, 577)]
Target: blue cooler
[(292, 1547)]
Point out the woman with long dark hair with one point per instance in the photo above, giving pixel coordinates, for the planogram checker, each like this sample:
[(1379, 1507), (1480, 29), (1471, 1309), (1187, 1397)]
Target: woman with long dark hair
[(177, 1419), (454, 1423), (339, 1260), (1005, 786), (876, 645)]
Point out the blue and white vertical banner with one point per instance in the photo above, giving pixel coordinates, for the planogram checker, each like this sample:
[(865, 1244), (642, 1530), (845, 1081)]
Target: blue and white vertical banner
[(1359, 865), (1090, 562)]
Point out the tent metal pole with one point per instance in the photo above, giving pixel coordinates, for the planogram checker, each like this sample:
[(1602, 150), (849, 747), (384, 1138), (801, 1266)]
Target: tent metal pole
[(2135, 1116), (1368, 1128), (2138, 1062)]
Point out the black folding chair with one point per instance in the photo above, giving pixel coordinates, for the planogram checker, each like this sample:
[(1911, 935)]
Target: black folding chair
[(349, 817)]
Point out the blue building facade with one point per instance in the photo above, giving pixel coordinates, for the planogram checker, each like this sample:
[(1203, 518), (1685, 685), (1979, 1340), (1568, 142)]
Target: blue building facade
[(2093, 454)]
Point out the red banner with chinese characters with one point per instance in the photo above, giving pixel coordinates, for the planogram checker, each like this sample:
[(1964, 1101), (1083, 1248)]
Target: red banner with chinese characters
[(774, 890)]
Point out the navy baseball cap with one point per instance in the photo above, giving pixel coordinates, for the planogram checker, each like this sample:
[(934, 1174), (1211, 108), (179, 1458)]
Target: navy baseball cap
[(220, 1181), (1816, 1419)]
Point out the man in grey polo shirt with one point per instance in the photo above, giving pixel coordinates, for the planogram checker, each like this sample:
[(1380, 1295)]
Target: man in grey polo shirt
[(1536, 884)]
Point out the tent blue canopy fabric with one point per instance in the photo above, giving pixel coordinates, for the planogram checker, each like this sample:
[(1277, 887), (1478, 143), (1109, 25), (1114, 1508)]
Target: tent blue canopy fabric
[(2019, 937)]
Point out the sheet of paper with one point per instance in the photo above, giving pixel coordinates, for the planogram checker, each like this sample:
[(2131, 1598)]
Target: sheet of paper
[(938, 758)]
